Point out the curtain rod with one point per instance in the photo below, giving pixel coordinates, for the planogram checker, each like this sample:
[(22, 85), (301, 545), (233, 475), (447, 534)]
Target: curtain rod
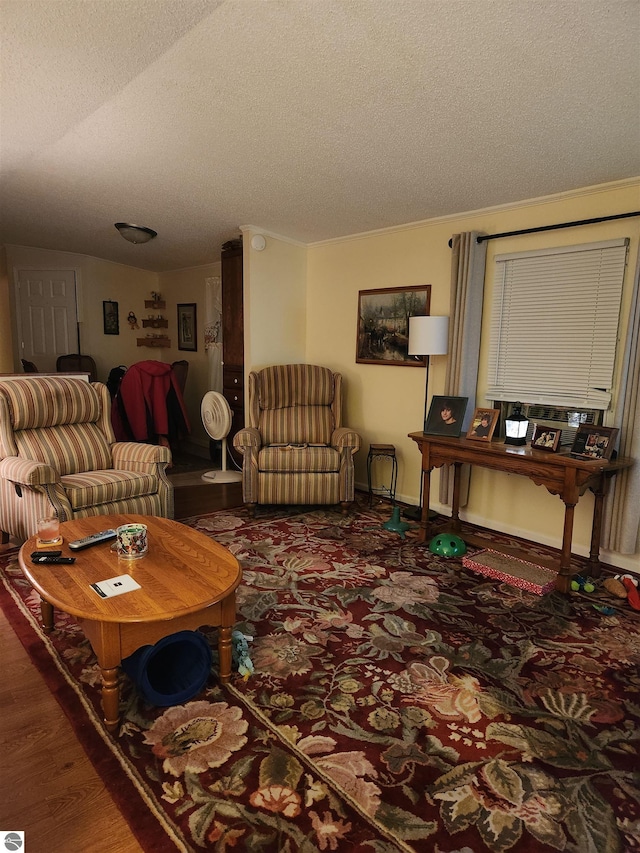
[(483, 237)]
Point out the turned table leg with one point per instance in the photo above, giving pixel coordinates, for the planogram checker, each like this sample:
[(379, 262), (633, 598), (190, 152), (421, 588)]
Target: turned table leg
[(455, 500), (227, 619), (106, 643), (46, 610), (111, 698), (224, 653), (563, 582), (424, 515), (593, 562)]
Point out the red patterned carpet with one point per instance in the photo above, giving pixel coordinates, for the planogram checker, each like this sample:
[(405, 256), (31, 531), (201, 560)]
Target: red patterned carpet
[(400, 702)]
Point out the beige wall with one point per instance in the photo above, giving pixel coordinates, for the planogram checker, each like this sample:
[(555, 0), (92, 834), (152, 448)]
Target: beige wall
[(6, 337), (99, 280), (275, 303), (179, 286), (301, 305), (96, 280), (384, 403)]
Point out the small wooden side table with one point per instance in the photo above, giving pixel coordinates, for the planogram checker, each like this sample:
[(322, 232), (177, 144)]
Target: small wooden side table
[(386, 452)]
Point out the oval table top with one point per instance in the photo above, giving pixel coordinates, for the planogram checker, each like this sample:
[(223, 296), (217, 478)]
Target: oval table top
[(184, 571)]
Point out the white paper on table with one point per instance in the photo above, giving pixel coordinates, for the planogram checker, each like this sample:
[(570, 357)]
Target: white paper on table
[(115, 586)]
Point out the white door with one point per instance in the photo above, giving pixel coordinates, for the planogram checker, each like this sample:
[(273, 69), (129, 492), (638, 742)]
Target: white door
[(46, 316)]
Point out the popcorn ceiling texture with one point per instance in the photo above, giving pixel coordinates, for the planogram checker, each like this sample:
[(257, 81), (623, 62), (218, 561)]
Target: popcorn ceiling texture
[(310, 119)]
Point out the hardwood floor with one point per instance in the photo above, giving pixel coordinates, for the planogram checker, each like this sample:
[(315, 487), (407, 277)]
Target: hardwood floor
[(49, 788), (194, 497)]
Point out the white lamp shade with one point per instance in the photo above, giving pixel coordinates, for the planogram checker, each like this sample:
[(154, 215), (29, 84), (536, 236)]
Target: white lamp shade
[(428, 335)]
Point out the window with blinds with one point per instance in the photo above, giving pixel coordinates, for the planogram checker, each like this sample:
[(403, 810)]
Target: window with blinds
[(554, 324)]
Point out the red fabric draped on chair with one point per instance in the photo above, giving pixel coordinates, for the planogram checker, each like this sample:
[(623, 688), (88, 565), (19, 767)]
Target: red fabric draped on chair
[(149, 405)]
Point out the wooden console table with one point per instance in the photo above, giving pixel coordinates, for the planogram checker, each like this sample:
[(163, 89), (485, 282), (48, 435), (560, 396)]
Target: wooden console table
[(560, 473)]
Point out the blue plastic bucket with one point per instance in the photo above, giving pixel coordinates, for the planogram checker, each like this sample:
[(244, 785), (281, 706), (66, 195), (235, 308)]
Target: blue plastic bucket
[(173, 670)]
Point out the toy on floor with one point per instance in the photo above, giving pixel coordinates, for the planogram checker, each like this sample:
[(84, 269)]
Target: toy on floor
[(615, 587), (240, 654), (447, 545), (580, 584), (605, 609), (630, 583)]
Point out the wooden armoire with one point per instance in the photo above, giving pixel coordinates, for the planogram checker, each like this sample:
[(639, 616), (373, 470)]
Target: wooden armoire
[(233, 336)]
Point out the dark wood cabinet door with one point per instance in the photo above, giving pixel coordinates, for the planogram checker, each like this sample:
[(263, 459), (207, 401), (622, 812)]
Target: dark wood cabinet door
[(233, 338), (232, 308)]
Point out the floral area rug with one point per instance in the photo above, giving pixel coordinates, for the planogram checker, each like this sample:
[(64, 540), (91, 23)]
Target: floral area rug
[(399, 702)]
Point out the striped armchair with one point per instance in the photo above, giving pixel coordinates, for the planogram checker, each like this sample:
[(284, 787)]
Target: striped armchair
[(295, 450), (58, 455)]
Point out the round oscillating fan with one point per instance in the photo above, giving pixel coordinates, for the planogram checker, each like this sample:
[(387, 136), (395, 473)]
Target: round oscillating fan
[(216, 419)]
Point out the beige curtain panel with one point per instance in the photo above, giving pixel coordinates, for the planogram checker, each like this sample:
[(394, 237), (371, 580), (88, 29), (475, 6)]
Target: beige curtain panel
[(465, 324), (622, 508)]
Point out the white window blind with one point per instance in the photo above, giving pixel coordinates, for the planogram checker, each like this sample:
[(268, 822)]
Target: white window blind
[(554, 324)]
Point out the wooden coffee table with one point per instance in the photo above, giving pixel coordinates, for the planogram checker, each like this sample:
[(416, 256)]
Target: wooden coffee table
[(187, 580)]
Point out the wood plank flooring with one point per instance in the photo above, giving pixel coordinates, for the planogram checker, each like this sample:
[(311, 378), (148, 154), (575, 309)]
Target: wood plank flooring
[(193, 496), (48, 787)]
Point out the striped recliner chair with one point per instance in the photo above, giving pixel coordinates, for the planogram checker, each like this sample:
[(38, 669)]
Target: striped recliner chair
[(58, 455), (295, 450)]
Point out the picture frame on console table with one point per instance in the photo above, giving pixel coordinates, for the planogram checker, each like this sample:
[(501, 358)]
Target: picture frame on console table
[(446, 415), (546, 438), (383, 324), (594, 442), (483, 424)]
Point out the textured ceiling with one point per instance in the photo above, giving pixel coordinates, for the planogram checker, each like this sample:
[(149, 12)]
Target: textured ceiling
[(312, 119)]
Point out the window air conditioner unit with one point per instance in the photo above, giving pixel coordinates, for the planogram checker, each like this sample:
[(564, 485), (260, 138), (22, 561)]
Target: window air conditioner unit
[(565, 418)]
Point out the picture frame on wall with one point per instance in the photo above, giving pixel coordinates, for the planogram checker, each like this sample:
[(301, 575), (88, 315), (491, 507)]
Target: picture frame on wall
[(483, 424), (594, 442), (546, 438), (110, 318), (445, 416), (383, 324), (187, 327)]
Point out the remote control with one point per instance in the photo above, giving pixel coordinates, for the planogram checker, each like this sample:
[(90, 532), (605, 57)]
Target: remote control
[(44, 558), (94, 539), (35, 554)]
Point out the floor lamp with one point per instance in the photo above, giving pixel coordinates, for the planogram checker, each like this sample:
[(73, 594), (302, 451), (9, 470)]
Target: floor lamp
[(427, 336)]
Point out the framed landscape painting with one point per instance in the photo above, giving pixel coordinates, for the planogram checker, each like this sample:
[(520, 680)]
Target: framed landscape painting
[(383, 324)]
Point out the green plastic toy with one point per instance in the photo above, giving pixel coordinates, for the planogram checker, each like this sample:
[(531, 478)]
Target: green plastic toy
[(447, 545)]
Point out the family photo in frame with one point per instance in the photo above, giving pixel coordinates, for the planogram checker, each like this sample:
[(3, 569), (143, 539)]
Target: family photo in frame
[(483, 424), (445, 416), (546, 438), (594, 442)]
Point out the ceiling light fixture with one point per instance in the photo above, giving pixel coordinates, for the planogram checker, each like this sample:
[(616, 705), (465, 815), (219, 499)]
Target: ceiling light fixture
[(135, 233)]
